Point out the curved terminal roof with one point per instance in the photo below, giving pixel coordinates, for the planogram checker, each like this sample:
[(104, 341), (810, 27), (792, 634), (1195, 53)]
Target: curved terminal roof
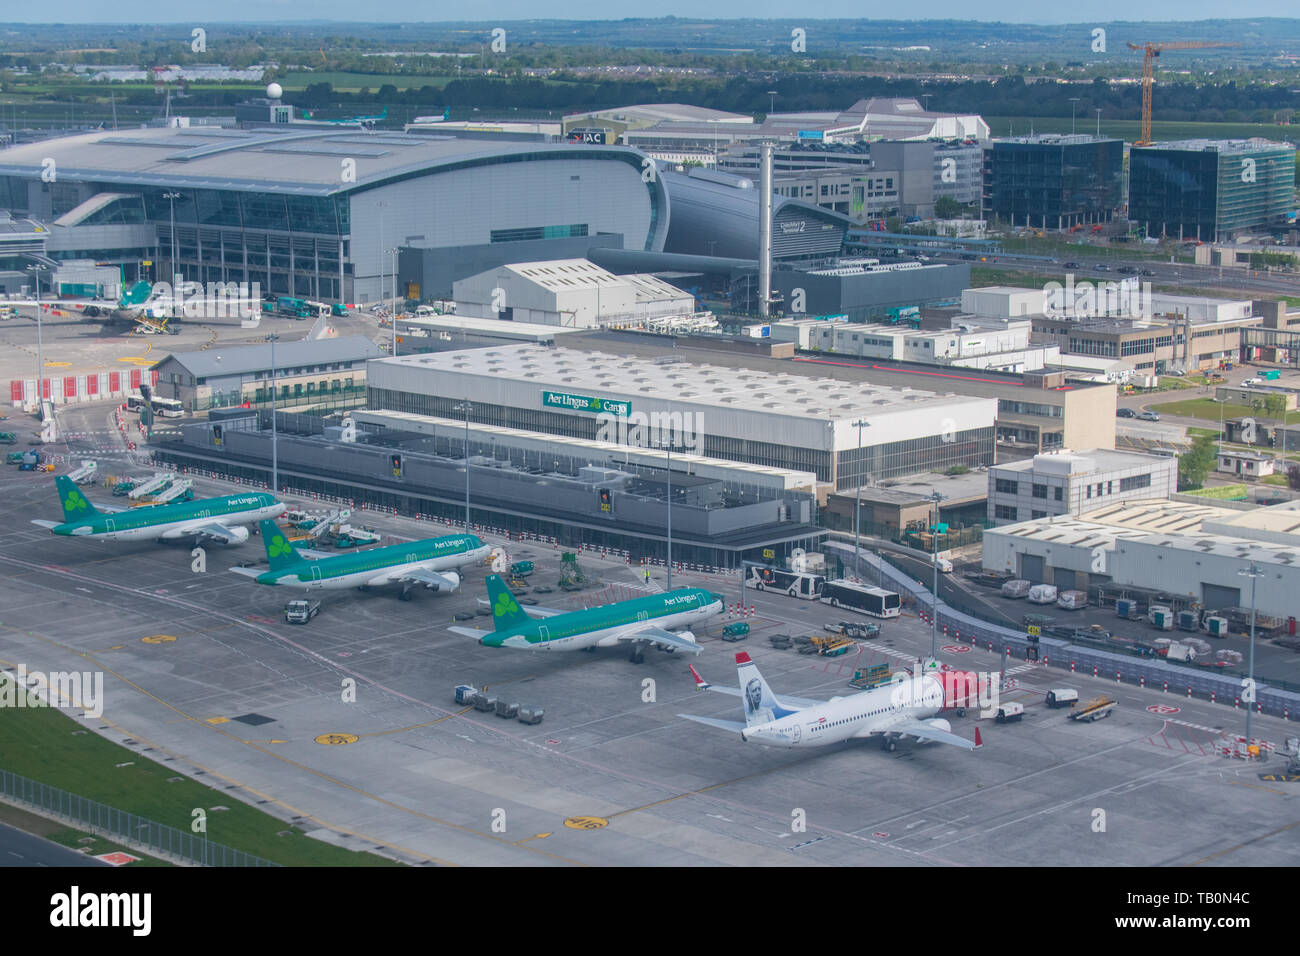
[(306, 162)]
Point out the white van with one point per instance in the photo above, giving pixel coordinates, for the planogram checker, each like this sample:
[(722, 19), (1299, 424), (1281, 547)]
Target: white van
[(945, 566), (1062, 697), (1042, 594)]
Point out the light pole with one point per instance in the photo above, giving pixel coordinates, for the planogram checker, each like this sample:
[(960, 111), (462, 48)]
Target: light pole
[(935, 530), (35, 270), (1254, 573), (857, 503), (1074, 105), (1097, 110), (392, 252), (275, 448), (668, 446), (171, 197), (771, 101), (380, 204), (466, 407)]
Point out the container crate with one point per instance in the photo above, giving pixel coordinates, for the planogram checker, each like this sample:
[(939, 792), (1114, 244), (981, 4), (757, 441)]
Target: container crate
[(508, 709), (531, 715), (484, 703)]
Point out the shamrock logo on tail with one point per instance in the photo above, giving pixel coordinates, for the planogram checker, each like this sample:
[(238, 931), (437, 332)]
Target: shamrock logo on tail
[(75, 501), (278, 547), (505, 605)]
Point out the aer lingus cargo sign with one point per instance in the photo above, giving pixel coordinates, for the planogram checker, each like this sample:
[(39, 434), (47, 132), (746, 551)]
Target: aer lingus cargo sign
[(585, 403)]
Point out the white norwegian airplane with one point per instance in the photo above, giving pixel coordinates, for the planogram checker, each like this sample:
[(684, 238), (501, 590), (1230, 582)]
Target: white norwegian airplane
[(905, 708)]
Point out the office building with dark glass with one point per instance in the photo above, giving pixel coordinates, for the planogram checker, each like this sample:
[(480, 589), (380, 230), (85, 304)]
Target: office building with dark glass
[(1052, 181), (1211, 189), (321, 212)]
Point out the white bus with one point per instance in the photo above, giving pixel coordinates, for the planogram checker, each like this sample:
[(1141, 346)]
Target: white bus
[(168, 407), (874, 602), (798, 584)]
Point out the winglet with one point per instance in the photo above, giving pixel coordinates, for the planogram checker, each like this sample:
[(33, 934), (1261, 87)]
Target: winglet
[(700, 682), (742, 658), (978, 743)]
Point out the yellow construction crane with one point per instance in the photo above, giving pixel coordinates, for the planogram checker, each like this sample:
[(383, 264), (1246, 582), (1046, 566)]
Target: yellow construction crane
[(1153, 50)]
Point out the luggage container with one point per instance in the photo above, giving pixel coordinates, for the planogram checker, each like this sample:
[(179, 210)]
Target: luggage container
[(1162, 617), (1217, 626), (1042, 594), (507, 709), (1072, 600), (1126, 607), (1010, 711), (1017, 588), (1062, 697), (465, 694), (1187, 621), (485, 703), (531, 715)]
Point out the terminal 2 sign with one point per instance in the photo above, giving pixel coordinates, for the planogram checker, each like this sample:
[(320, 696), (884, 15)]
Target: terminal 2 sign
[(585, 403)]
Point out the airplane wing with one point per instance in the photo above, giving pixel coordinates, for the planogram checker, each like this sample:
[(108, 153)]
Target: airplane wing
[(248, 572), (315, 555), (917, 728), (733, 725), (532, 610), (784, 700), (657, 635), (219, 532), (473, 632), (431, 578), (45, 524)]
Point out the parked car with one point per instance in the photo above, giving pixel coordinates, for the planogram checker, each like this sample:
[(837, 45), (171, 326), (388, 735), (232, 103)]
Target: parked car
[(1073, 265), (1251, 382), (1125, 413), (1147, 272), (1149, 416), (1127, 270), (1101, 267)]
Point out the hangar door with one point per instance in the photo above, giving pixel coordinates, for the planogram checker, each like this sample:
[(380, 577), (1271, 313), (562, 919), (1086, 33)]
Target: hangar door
[(1031, 567), (1216, 596), (1064, 579)]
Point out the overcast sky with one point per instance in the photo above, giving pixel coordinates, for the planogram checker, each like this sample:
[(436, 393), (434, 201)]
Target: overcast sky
[(1017, 11)]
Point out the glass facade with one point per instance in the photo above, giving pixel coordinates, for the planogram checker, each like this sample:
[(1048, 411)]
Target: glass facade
[(1201, 192), (1056, 183)]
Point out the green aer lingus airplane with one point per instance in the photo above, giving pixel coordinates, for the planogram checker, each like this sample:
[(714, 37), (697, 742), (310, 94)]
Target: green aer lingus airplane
[(648, 619), (217, 518), (428, 562)]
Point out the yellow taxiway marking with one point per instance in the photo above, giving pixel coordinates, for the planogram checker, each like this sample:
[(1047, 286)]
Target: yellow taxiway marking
[(273, 740), (585, 823), (158, 639), (535, 836), (1233, 849), (139, 359), (401, 730), (335, 740), (217, 720), (52, 364), (1255, 786)]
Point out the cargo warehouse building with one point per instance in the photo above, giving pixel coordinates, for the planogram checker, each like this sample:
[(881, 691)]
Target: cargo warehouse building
[(577, 491), (318, 213), (785, 421)]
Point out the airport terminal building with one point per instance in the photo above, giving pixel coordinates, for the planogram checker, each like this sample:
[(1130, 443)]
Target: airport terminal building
[(785, 421), (320, 212)]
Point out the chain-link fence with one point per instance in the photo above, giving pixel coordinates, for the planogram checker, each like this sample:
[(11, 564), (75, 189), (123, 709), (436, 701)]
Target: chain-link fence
[(128, 827)]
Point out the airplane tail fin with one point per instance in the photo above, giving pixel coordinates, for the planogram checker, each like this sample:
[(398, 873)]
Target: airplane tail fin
[(761, 705), (279, 552), (136, 295), (506, 612), (76, 506)]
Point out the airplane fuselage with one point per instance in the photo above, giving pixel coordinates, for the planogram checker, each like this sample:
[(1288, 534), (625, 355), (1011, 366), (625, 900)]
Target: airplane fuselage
[(318, 576), (140, 524), (859, 715), (550, 632)]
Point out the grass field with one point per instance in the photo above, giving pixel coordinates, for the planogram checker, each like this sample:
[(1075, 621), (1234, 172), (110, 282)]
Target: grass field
[(45, 745), (73, 839), (1218, 492)]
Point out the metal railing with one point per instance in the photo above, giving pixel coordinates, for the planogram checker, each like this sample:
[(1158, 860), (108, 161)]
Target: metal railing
[(130, 828)]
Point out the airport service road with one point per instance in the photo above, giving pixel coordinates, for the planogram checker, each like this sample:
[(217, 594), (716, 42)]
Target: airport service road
[(200, 668)]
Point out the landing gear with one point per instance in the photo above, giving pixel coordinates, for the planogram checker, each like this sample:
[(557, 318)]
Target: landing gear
[(406, 594), (888, 744), (637, 656), (961, 711), (364, 588)]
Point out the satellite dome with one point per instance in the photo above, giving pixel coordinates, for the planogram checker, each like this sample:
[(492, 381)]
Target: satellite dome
[(274, 91)]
